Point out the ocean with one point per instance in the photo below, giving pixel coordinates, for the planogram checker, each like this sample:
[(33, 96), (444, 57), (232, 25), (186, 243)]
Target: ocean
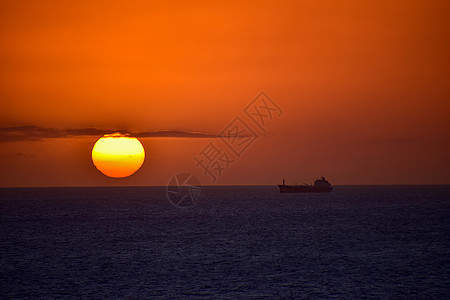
[(236, 242)]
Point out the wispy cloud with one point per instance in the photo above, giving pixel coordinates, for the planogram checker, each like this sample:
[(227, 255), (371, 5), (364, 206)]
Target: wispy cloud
[(173, 133), (26, 133)]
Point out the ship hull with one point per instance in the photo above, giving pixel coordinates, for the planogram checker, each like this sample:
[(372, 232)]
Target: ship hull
[(303, 189)]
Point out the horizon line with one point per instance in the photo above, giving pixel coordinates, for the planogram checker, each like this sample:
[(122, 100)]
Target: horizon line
[(224, 185)]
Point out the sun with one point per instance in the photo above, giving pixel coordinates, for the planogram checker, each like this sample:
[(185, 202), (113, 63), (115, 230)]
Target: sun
[(117, 155)]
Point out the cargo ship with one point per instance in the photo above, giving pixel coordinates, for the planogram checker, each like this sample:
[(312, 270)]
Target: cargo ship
[(320, 186)]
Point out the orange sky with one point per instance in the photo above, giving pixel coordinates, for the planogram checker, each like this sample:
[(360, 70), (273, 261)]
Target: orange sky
[(363, 86)]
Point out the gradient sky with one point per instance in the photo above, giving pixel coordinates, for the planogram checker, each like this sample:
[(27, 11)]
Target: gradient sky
[(363, 86)]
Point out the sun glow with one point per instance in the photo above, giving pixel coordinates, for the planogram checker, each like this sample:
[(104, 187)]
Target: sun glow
[(117, 155)]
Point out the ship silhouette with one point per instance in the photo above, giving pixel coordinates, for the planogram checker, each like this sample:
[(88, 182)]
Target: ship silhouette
[(320, 186)]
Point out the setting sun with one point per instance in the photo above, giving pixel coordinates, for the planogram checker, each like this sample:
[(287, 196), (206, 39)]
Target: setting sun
[(117, 155)]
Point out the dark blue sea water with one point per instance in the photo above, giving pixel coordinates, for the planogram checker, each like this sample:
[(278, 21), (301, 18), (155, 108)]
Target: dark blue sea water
[(236, 243)]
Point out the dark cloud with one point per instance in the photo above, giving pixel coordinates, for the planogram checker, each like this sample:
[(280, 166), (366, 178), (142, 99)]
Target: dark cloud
[(26, 154), (26, 133), (174, 133)]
